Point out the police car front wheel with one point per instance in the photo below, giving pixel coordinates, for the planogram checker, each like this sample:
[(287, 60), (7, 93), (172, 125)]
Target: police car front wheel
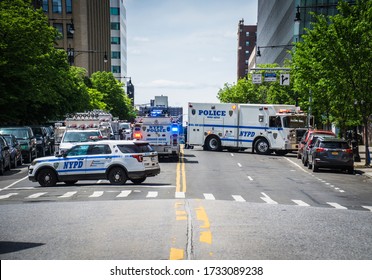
[(47, 178), (117, 176)]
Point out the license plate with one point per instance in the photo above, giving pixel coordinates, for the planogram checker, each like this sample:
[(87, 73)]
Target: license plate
[(335, 153)]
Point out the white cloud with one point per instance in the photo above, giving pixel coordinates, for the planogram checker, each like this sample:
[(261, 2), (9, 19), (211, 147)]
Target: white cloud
[(141, 39)]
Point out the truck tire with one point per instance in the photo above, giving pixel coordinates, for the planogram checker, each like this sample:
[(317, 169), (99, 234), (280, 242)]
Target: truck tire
[(213, 143), (262, 147), (47, 178), (117, 176)]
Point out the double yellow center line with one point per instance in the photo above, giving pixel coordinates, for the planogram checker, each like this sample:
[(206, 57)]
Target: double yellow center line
[(181, 173)]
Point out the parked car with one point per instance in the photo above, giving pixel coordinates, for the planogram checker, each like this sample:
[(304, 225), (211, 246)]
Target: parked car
[(332, 153), (50, 132), (14, 150), (312, 138), (26, 139), (4, 155), (43, 143), (114, 160), (306, 137)]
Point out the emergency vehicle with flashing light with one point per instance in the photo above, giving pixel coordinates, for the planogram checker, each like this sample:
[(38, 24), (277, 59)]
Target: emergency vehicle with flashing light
[(113, 160), (161, 132), (264, 128)]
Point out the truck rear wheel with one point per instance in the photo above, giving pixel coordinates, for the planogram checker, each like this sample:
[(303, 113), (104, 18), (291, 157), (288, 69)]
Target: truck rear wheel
[(213, 143), (262, 147)]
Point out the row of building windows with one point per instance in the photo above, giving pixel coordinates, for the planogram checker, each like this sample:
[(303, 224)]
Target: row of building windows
[(57, 6)]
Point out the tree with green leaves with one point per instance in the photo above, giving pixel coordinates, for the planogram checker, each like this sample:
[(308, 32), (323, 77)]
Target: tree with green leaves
[(105, 86), (333, 65), (35, 79)]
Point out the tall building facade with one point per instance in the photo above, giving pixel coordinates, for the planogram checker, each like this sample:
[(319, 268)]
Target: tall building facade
[(246, 44), (277, 29), (93, 32), (118, 39)]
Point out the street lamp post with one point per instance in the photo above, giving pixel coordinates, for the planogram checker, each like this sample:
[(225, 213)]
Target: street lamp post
[(71, 54)]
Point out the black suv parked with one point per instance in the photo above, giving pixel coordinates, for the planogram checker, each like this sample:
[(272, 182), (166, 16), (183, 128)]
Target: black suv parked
[(26, 139), (43, 143), (4, 155)]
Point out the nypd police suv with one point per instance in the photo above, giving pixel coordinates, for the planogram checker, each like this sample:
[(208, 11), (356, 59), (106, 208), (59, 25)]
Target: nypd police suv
[(116, 161)]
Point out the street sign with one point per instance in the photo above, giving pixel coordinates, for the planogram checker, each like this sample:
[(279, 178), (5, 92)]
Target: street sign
[(256, 78), (270, 77), (284, 79)]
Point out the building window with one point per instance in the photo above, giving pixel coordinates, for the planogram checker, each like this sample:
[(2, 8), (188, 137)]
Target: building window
[(247, 43), (115, 55), (115, 40), (247, 52), (59, 27), (246, 62), (115, 26), (45, 6), (247, 34), (115, 11), (68, 6), (57, 6), (115, 69)]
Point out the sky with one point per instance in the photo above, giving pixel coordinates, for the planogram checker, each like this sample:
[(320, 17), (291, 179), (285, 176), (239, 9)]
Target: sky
[(184, 49)]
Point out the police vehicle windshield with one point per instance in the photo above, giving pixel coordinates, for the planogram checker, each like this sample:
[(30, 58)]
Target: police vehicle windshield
[(294, 121), (79, 136)]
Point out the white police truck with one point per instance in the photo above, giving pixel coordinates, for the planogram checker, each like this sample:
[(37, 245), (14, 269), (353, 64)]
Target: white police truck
[(162, 133), (264, 128), (113, 160)]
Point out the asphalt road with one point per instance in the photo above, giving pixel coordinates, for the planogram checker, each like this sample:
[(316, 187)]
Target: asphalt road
[(207, 206)]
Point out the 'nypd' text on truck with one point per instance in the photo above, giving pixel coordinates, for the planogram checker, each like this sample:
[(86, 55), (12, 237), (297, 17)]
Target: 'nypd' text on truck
[(161, 132), (264, 128)]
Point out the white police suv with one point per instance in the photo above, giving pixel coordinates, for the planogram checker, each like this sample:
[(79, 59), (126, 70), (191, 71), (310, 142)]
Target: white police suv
[(114, 160)]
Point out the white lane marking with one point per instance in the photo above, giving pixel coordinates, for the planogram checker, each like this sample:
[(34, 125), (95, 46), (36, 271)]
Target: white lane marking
[(250, 178), (152, 194), (239, 164), (7, 195), (299, 166), (238, 198), (124, 193), (368, 208), (232, 154), (68, 194), (96, 194), (267, 199), (341, 191), (336, 205), (300, 202), (36, 195), (209, 196), (100, 181), (16, 182), (179, 195)]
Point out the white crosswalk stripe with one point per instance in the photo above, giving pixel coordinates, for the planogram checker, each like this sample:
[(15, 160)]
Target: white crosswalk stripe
[(68, 194), (238, 198), (7, 195), (300, 202), (179, 195), (336, 205), (36, 195), (124, 193), (209, 196), (368, 208), (267, 199), (151, 194), (96, 194)]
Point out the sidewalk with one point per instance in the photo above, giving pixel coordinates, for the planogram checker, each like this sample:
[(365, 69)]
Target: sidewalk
[(360, 167)]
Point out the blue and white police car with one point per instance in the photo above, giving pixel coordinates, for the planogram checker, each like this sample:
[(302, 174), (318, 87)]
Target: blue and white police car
[(114, 160)]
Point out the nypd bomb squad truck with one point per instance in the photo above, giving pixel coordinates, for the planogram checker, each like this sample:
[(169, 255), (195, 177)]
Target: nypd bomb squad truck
[(162, 133), (264, 128)]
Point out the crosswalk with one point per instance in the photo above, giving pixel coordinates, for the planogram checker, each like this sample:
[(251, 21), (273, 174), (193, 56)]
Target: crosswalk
[(140, 194)]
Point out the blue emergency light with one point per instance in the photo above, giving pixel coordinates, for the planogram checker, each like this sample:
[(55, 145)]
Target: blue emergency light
[(174, 128)]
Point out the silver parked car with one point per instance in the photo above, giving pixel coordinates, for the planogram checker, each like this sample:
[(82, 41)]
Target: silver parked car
[(332, 153)]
